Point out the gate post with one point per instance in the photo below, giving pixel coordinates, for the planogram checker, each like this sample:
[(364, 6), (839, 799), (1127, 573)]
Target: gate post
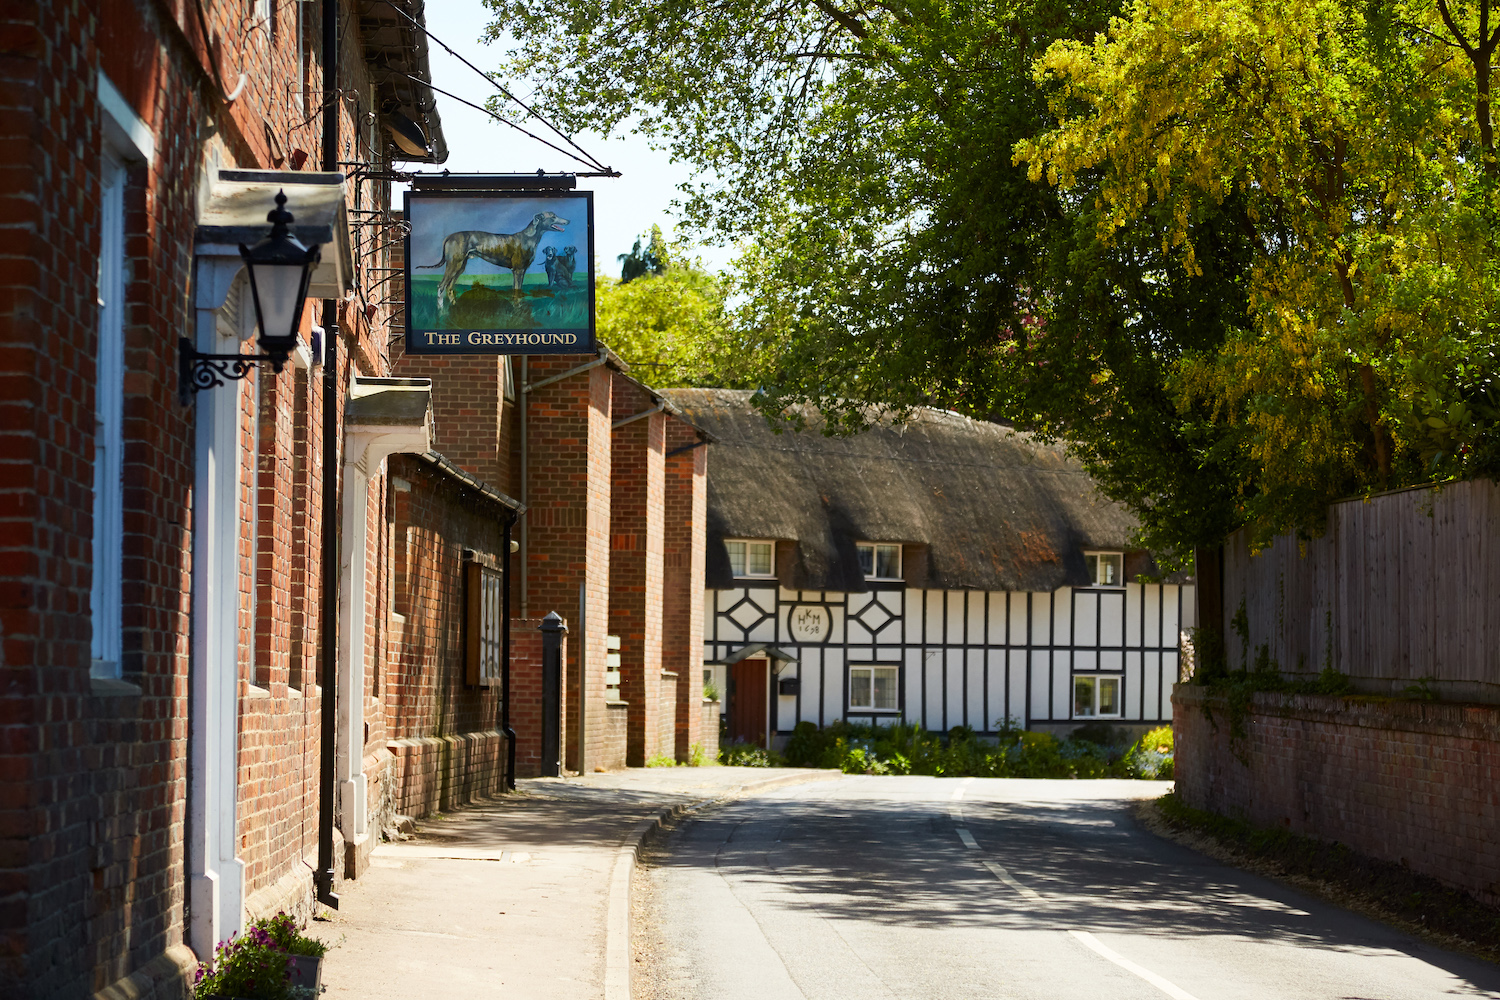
[(553, 630)]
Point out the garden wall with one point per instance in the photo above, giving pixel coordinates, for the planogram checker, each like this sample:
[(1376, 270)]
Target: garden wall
[(1412, 782)]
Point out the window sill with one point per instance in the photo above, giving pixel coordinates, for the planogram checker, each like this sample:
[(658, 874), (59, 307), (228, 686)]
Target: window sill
[(853, 710), (111, 687), (614, 703), (255, 693)]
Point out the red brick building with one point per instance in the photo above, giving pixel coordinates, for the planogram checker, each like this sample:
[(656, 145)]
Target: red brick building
[(166, 636)]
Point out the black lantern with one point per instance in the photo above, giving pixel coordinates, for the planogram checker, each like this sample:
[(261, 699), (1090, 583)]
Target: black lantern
[(280, 269)]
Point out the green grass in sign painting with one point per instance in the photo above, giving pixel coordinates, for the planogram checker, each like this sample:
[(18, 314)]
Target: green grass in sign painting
[(489, 302)]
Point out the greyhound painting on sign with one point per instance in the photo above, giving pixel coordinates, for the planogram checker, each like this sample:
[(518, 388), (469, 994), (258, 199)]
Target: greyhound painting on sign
[(499, 272)]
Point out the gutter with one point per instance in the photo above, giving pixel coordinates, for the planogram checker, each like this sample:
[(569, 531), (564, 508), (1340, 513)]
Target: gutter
[(661, 405)]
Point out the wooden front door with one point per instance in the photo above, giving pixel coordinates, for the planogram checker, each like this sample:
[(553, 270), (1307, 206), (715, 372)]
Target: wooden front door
[(748, 701)]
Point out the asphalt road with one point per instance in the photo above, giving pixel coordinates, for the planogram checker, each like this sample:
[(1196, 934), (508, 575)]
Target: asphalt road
[(915, 888)]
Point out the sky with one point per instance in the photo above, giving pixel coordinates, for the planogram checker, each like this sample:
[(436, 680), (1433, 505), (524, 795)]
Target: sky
[(624, 207)]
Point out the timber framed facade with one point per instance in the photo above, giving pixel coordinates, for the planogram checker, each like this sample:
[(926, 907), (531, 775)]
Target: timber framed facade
[(965, 657)]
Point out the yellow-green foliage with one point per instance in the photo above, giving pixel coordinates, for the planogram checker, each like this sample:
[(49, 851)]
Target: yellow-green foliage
[(1351, 136), (666, 326)]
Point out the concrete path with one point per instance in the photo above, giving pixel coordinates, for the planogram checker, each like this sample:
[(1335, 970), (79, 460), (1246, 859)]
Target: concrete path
[(887, 887), (526, 895)]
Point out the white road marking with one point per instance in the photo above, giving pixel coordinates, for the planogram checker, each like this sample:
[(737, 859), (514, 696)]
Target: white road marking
[(1093, 944), (967, 838), (1006, 877)]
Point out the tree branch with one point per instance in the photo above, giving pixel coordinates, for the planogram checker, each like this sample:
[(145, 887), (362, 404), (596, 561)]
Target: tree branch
[(1448, 20), (846, 20)]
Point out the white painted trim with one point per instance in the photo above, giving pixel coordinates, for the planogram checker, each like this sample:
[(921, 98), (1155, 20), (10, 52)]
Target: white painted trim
[(216, 875), (365, 450), (127, 133)]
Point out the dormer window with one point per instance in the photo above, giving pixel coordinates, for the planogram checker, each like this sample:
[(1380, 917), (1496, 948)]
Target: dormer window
[(880, 560), (1106, 569), (752, 558)]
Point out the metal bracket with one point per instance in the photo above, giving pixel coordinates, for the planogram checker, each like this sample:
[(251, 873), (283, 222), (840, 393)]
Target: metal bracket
[(197, 371)]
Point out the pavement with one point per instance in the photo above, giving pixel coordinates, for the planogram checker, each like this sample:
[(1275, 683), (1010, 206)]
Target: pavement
[(938, 888), (523, 895)]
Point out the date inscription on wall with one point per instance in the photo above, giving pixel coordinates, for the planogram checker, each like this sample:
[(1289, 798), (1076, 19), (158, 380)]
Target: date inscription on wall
[(809, 623)]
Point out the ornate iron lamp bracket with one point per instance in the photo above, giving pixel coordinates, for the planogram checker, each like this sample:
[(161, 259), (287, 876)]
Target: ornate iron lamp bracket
[(198, 371)]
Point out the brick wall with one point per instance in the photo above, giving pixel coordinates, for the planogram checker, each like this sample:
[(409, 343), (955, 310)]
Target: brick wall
[(1409, 782), (567, 533), (93, 779), (708, 721), (685, 526), (635, 565), (442, 734)]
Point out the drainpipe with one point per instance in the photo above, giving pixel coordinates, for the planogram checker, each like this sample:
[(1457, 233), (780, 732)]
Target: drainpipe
[(510, 734), (525, 402), (328, 645)]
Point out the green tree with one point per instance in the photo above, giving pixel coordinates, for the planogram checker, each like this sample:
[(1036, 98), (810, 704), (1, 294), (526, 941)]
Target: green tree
[(894, 252), (668, 323), (898, 254), (650, 260)]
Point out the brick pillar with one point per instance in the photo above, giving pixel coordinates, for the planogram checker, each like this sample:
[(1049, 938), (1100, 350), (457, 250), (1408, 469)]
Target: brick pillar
[(684, 538), (567, 532), (635, 565)]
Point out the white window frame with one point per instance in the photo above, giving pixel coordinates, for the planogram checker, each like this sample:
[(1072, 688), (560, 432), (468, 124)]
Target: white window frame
[(1091, 560), (874, 550), (895, 671), (744, 572), (105, 597), (1094, 713), (127, 140)]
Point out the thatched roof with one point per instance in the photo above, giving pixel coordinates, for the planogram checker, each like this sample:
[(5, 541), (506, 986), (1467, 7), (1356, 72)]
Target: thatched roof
[(978, 505)]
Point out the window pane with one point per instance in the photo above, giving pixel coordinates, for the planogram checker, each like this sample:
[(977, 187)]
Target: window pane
[(885, 688), (1109, 696), (888, 561), (759, 558), (859, 687), (1111, 567), (736, 557), (1093, 564), (867, 560), (1083, 696)]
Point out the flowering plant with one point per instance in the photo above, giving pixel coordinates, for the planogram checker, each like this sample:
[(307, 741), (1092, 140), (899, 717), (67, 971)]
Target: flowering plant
[(257, 964), (252, 967), (283, 930)]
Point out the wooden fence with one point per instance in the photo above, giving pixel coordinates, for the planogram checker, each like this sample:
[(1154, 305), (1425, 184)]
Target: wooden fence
[(1403, 586)]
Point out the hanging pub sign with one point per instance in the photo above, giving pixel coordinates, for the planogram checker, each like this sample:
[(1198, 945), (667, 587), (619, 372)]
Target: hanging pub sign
[(500, 272)]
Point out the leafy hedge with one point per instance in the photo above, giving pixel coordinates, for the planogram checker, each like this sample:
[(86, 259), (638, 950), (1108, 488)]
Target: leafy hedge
[(906, 748)]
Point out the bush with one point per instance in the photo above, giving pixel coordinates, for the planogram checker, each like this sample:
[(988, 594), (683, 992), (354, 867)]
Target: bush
[(748, 755), (905, 748), (662, 760), (1151, 756)]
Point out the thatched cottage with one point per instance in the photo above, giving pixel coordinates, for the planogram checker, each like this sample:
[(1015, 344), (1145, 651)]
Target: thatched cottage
[(940, 570)]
